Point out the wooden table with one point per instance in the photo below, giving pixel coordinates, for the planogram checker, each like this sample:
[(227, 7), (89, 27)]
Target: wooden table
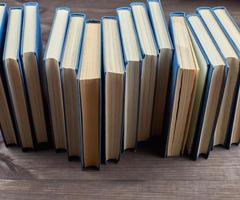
[(140, 175)]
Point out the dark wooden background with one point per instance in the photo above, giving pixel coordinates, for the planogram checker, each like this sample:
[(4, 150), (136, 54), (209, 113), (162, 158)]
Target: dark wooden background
[(141, 175)]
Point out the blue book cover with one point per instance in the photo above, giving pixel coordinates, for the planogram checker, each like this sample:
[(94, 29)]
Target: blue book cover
[(101, 99), (165, 49), (231, 96), (171, 91), (37, 52), (3, 27), (127, 60), (70, 85), (103, 135), (211, 68), (28, 130), (55, 56), (237, 49), (148, 72)]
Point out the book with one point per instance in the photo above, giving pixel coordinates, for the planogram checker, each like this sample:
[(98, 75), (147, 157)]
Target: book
[(7, 124), (232, 31), (31, 58), (114, 81), (52, 60), (165, 51), (183, 87), (15, 79), (68, 68), (90, 99), (230, 90), (214, 86), (201, 92), (133, 64), (149, 69)]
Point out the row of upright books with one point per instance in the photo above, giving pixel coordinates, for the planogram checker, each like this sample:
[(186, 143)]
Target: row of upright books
[(103, 86)]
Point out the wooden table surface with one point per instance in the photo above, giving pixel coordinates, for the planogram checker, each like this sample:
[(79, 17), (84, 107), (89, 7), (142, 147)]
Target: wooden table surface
[(140, 175)]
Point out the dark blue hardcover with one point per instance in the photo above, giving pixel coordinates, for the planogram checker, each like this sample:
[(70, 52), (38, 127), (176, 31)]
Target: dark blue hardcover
[(227, 142), (159, 51), (134, 19), (100, 103), (3, 26), (237, 50), (82, 15), (153, 27), (18, 59), (196, 141), (38, 54), (132, 5), (103, 157), (44, 75), (126, 61), (171, 91)]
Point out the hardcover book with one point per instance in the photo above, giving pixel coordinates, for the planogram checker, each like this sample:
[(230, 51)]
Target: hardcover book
[(200, 94), (165, 51), (31, 57), (89, 85), (149, 53), (52, 60), (69, 68), (8, 128), (232, 31), (15, 78), (221, 135), (114, 82), (216, 74), (133, 64), (183, 87)]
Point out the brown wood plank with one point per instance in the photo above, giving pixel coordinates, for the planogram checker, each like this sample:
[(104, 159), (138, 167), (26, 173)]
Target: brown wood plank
[(140, 175)]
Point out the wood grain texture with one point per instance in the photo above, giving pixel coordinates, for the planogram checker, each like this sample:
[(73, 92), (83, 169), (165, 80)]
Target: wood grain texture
[(139, 175)]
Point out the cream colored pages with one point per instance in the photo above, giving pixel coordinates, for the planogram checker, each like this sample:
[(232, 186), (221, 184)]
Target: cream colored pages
[(69, 82), (55, 43), (72, 43), (52, 59), (12, 37), (216, 81), (148, 71), (132, 84), (234, 34), (114, 88), (185, 87), (31, 66), (231, 81), (164, 65), (144, 29), (89, 67), (14, 78), (129, 38), (161, 30), (228, 25), (29, 31), (112, 49), (202, 75), (183, 43), (206, 41), (90, 93), (217, 33)]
